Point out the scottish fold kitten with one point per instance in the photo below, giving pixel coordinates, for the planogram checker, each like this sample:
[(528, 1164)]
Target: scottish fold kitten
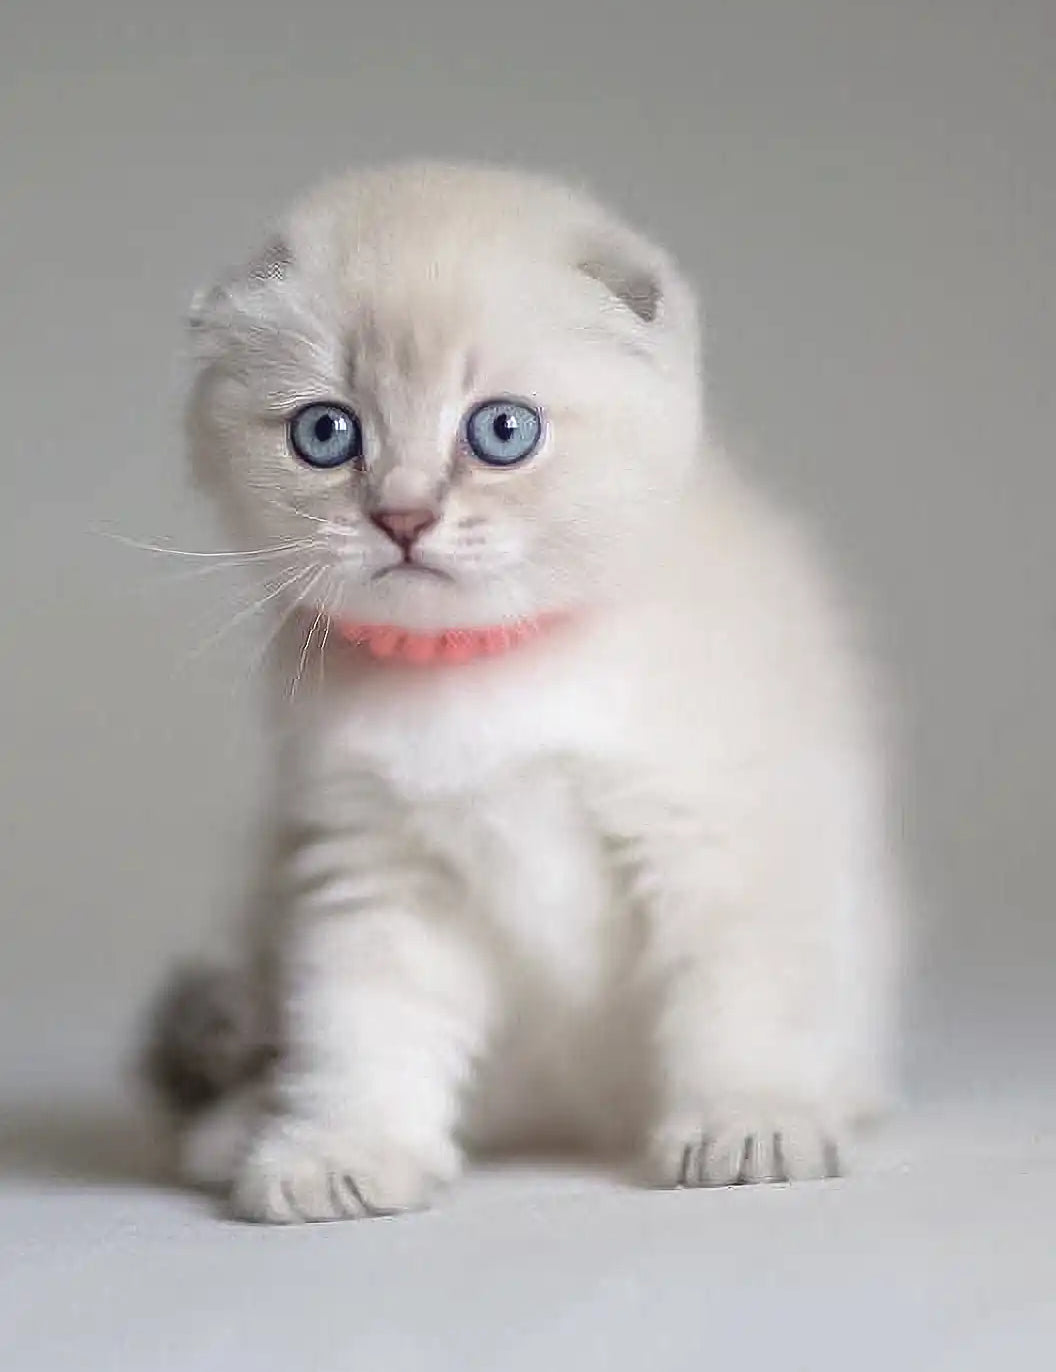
[(578, 829)]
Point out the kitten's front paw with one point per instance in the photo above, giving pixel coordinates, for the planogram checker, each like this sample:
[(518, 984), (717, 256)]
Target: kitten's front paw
[(295, 1172), (746, 1142)]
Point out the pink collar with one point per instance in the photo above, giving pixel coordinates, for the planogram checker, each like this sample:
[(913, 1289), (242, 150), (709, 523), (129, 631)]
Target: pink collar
[(447, 647)]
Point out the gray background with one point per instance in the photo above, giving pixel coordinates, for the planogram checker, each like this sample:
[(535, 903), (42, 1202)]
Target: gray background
[(866, 194)]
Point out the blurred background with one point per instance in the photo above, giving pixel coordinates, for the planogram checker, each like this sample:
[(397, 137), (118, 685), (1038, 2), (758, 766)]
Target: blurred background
[(866, 195)]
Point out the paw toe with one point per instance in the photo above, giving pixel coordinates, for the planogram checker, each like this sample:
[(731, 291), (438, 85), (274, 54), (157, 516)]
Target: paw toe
[(287, 1178), (738, 1152)]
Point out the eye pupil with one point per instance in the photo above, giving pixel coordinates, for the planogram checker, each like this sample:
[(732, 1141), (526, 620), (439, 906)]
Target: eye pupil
[(324, 428), (504, 427)]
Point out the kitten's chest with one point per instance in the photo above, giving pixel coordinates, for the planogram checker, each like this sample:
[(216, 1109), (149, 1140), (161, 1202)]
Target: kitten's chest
[(452, 734), (485, 765), (535, 872)]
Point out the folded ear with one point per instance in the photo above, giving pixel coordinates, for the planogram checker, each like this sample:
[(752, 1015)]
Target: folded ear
[(239, 290), (644, 281), (632, 283)]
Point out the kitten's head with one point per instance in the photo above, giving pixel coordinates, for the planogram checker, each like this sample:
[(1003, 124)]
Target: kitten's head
[(472, 395)]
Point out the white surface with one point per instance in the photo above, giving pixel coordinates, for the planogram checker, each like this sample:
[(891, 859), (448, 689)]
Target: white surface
[(939, 1255)]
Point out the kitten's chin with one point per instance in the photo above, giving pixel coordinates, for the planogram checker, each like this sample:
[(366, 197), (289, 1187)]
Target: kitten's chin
[(431, 602)]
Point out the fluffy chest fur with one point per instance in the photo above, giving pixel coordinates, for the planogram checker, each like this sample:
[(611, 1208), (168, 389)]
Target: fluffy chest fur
[(432, 735), (481, 765)]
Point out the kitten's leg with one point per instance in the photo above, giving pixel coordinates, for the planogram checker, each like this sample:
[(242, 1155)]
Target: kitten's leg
[(740, 1057), (760, 961), (384, 1002)]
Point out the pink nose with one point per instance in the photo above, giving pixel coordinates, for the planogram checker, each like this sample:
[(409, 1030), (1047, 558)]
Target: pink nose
[(404, 527)]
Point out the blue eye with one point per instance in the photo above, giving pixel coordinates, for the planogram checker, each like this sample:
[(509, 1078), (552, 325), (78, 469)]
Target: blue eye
[(504, 432), (325, 435)]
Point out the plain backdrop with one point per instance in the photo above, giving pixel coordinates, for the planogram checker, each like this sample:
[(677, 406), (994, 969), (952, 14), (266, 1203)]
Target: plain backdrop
[(866, 195)]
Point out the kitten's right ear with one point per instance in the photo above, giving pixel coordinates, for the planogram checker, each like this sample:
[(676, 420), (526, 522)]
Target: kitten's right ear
[(223, 320), (237, 291)]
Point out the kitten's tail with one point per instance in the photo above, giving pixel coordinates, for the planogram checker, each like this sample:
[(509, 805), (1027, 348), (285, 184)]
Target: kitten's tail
[(203, 1040), (203, 1061)]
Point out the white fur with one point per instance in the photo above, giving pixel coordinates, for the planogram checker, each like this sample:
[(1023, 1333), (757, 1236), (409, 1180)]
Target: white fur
[(627, 885)]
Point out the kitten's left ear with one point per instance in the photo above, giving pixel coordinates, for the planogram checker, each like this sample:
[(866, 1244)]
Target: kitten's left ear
[(642, 279), (631, 283)]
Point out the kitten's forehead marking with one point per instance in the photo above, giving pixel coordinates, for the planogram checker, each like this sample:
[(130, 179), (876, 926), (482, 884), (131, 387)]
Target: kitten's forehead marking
[(413, 371), (415, 340), (408, 362)]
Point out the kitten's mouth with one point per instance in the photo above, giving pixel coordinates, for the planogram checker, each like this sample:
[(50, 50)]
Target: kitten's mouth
[(412, 568)]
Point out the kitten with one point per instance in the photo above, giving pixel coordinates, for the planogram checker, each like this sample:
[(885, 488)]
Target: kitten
[(578, 832)]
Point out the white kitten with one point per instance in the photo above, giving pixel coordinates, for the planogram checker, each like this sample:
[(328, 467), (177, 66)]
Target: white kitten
[(624, 883)]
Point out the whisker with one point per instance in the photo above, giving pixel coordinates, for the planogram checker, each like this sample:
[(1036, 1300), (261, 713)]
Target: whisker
[(241, 554), (326, 632), (303, 514), (346, 531), (230, 598), (273, 633), (248, 610), (307, 642), (186, 575)]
